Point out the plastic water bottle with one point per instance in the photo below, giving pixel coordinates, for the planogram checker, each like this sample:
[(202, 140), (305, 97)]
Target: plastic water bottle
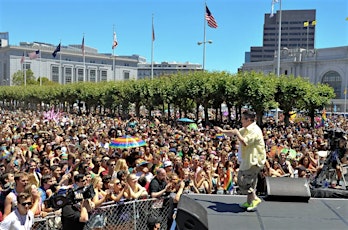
[(326, 183)]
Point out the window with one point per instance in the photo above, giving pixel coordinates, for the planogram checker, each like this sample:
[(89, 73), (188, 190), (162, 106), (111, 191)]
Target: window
[(80, 74), (92, 75), (333, 79), (104, 75), (55, 73), (68, 75), (126, 75)]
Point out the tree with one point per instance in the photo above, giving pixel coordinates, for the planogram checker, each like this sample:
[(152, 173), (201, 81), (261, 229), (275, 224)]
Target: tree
[(46, 81), (18, 78), (290, 90), (317, 96), (257, 91)]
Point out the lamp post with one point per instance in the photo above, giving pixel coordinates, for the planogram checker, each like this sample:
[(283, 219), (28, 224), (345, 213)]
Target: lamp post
[(204, 42)]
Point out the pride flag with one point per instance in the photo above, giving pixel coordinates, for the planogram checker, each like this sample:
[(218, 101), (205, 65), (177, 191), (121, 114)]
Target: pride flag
[(323, 118), (228, 183)]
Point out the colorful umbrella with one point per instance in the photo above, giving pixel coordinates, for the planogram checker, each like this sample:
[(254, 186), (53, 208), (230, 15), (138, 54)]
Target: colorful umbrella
[(193, 126), (220, 136), (291, 152), (126, 142), (185, 119)]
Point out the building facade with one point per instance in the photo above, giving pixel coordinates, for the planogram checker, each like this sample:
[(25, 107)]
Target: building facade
[(294, 33), (70, 65), (328, 65), (165, 68)]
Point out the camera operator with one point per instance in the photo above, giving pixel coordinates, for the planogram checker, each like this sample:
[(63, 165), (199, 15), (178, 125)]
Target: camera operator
[(337, 148), (340, 158), (75, 216), (158, 185)]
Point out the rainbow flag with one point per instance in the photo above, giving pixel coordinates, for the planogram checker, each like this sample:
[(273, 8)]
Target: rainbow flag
[(160, 165), (228, 183), (220, 135), (34, 146), (323, 118)]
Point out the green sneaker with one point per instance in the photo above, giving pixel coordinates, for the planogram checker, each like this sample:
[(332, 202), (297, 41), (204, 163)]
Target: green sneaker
[(245, 205), (254, 205)]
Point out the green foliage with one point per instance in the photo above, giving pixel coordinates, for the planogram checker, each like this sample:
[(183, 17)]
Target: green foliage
[(18, 78), (185, 92)]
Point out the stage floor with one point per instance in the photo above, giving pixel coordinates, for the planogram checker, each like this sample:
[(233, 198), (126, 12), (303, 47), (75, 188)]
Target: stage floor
[(319, 213)]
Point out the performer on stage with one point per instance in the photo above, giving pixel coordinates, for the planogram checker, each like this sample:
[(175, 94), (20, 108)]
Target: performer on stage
[(252, 157)]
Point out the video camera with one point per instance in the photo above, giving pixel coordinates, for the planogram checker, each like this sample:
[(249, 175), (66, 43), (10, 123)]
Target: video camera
[(72, 196), (334, 136)]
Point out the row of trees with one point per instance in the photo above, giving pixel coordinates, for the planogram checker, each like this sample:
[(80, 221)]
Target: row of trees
[(185, 92)]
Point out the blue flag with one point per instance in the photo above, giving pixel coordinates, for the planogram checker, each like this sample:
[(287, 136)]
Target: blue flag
[(54, 54)]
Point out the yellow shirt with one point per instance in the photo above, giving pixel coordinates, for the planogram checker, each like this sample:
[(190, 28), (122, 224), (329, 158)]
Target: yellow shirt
[(254, 152)]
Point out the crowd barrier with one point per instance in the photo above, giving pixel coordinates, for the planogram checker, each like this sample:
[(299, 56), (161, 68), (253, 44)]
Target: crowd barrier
[(117, 216)]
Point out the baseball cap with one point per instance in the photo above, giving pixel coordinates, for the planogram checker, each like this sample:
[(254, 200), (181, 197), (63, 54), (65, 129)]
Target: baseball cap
[(167, 164)]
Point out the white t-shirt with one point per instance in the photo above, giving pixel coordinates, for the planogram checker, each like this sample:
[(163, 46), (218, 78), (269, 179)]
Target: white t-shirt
[(15, 221)]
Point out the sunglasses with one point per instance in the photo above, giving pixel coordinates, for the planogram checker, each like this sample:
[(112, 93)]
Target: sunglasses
[(83, 180), (112, 164), (26, 203)]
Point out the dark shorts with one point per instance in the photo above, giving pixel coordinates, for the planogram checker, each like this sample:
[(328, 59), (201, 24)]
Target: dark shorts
[(247, 180)]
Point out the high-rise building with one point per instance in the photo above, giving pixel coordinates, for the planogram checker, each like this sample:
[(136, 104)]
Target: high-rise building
[(297, 31)]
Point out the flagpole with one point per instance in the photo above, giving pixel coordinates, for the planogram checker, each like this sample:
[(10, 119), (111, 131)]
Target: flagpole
[(204, 35), (279, 37), (40, 67), (307, 35), (279, 44), (152, 41), (60, 65), (113, 52), (345, 99), (84, 59), (24, 70)]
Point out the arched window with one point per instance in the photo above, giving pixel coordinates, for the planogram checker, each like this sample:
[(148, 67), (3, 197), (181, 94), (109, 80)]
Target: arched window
[(333, 79)]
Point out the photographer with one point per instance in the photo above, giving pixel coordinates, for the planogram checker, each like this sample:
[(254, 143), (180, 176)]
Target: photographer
[(75, 216)]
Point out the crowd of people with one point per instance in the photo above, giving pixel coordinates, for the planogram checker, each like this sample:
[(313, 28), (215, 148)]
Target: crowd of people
[(45, 155)]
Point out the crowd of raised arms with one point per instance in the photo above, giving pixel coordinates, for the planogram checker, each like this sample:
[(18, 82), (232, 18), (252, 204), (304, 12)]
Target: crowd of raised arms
[(41, 156)]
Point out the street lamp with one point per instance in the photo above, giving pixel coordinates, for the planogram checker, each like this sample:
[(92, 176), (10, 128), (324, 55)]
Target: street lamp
[(204, 42)]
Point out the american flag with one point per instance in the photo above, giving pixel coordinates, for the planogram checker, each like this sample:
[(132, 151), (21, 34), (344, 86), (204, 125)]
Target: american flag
[(115, 42), (210, 18), (83, 46), (34, 55)]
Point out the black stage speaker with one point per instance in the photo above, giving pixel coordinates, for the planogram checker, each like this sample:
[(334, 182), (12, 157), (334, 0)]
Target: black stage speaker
[(191, 215), (287, 189)]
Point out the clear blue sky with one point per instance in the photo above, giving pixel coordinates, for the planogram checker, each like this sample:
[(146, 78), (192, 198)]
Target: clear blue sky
[(178, 26)]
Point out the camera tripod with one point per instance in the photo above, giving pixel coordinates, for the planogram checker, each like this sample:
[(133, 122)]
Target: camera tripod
[(326, 172)]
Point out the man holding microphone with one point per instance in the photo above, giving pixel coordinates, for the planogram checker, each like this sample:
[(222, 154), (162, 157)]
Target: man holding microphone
[(252, 154)]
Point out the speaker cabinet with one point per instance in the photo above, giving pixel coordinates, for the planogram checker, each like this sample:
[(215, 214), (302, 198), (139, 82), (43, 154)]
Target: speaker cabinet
[(287, 189), (191, 215)]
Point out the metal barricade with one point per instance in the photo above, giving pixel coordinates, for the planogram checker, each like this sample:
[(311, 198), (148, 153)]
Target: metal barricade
[(117, 216)]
